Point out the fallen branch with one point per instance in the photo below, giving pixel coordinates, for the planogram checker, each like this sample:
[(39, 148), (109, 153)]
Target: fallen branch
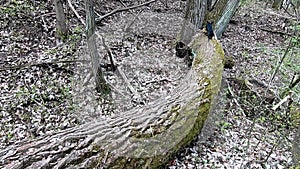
[(143, 137), (157, 81), (285, 99), (274, 31), (98, 20), (134, 19), (40, 63), (122, 74), (295, 80), (75, 12), (130, 87), (234, 99), (111, 58)]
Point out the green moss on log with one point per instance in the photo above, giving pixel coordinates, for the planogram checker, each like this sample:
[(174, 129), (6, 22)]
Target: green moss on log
[(189, 118)]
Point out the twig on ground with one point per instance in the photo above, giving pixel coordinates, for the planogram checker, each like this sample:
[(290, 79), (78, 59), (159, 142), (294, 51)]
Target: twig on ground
[(75, 12), (87, 79), (279, 64), (234, 99), (39, 64), (251, 128), (134, 19), (98, 20), (111, 58), (285, 99), (274, 31), (157, 81), (122, 74), (295, 80)]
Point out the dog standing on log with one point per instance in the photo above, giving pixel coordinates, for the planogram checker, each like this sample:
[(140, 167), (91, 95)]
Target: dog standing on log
[(209, 29)]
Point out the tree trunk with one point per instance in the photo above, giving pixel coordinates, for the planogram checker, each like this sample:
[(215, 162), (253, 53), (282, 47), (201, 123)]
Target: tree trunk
[(143, 137), (101, 86), (227, 13), (209, 4), (61, 28), (296, 148), (193, 20)]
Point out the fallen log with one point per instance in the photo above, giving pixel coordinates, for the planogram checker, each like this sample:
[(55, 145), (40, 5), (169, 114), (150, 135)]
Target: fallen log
[(143, 137)]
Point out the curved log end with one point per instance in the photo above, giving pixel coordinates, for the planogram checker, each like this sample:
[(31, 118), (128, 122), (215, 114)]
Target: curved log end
[(145, 137), (205, 76)]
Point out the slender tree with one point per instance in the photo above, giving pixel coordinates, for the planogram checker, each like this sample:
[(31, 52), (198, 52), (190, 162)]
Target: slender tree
[(101, 85), (296, 148), (197, 15), (61, 28)]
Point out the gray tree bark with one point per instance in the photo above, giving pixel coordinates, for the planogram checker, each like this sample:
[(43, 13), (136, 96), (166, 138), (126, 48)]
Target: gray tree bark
[(193, 20), (101, 85), (61, 28), (227, 14), (296, 148)]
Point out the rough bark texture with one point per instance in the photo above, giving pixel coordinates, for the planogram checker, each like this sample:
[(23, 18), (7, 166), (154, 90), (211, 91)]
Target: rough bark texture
[(193, 20), (61, 28), (143, 137), (101, 85)]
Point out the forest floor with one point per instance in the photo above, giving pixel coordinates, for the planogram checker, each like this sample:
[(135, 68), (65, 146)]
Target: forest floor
[(38, 78)]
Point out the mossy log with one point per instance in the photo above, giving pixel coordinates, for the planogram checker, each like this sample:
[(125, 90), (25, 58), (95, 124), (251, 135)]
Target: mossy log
[(143, 137)]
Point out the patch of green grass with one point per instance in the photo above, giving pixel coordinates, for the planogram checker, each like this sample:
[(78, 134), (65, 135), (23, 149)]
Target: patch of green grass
[(9, 135), (245, 2), (224, 126), (75, 35)]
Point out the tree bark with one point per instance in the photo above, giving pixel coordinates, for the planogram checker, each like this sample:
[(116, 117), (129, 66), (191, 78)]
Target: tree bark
[(101, 85), (227, 13), (61, 28), (209, 4), (296, 148), (143, 137), (193, 20)]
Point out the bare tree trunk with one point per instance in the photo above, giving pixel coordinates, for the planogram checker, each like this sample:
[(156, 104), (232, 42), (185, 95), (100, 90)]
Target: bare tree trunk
[(197, 13), (229, 10), (193, 20), (61, 28), (101, 85), (209, 4), (296, 148)]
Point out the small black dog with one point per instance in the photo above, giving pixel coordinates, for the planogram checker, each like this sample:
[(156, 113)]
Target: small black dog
[(184, 51), (181, 49), (209, 29)]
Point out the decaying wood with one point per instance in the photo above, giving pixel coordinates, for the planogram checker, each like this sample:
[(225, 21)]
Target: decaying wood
[(144, 137)]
